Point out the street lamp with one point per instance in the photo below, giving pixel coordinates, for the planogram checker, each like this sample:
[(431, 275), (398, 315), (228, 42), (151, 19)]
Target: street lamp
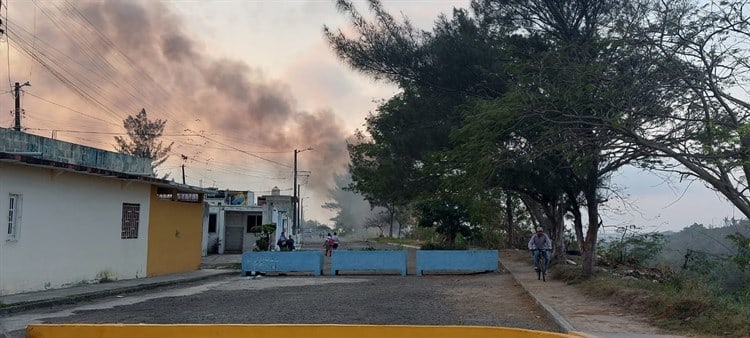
[(294, 199)]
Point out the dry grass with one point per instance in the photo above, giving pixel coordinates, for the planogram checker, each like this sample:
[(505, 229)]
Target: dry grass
[(676, 304)]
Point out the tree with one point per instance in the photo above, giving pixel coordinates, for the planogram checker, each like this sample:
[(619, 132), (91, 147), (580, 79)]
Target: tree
[(350, 207), (378, 221), (571, 73), (412, 130), (446, 215), (703, 50), (143, 140)]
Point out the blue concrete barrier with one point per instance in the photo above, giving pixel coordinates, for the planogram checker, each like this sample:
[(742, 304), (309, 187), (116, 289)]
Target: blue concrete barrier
[(345, 260), (456, 260), (282, 261)]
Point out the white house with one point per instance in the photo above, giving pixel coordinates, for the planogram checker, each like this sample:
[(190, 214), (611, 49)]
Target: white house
[(75, 214), (232, 214)]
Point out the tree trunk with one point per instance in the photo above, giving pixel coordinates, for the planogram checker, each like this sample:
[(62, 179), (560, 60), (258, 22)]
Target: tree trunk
[(575, 209), (550, 217), (592, 205), (509, 218), (390, 220), (556, 230)]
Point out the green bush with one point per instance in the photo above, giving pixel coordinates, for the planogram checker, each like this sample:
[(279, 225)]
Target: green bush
[(443, 246), (261, 244), (634, 250)]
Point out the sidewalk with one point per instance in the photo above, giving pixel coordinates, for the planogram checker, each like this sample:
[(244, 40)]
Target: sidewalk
[(32, 300), (571, 309)]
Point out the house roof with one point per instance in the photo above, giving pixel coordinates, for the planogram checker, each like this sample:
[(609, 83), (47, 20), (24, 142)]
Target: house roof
[(31, 160)]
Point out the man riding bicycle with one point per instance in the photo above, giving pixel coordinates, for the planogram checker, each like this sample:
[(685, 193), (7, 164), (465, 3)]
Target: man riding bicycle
[(540, 242)]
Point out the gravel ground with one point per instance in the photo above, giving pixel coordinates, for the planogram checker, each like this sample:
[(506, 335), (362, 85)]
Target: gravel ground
[(479, 299), (487, 299)]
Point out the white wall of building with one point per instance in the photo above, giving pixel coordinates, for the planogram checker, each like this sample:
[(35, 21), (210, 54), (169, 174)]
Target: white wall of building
[(70, 230), (228, 218)]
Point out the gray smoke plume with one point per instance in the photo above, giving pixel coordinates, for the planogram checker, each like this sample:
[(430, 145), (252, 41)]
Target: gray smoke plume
[(148, 60)]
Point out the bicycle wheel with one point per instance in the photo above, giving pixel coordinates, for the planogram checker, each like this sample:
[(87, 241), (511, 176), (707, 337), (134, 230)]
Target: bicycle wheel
[(543, 268)]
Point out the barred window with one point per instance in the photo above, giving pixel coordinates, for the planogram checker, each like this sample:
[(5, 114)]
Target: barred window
[(130, 217), (14, 216)]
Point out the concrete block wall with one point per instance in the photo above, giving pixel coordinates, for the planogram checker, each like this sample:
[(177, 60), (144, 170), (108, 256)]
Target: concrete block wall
[(71, 153)]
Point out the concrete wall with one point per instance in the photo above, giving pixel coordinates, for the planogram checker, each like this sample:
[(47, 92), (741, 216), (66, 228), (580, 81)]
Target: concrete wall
[(65, 152), (70, 229), (174, 236)]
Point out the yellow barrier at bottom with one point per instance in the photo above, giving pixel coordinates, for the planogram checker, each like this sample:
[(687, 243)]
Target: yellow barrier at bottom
[(275, 331)]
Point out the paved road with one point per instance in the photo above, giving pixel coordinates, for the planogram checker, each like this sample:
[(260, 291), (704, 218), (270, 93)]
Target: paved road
[(474, 299)]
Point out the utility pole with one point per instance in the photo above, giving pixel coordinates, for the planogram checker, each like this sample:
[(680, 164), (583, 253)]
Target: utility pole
[(295, 225), (17, 95), (184, 158), (294, 199), (299, 215), (2, 29)]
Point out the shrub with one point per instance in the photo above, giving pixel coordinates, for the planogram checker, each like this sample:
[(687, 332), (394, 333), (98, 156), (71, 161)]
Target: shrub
[(261, 244), (633, 249), (443, 246)]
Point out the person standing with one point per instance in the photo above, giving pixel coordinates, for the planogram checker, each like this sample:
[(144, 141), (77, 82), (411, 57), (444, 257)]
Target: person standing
[(282, 241), (328, 245), (335, 241), (540, 243)]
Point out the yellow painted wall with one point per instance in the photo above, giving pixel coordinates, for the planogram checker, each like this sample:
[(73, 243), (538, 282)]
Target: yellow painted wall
[(174, 236), (279, 331)]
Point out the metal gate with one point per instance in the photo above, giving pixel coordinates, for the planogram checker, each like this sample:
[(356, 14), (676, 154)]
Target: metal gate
[(234, 239)]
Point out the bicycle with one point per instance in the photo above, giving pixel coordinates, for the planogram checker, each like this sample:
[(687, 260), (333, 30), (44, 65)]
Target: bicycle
[(541, 263)]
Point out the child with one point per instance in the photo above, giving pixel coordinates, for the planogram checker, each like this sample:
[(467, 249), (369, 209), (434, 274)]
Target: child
[(328, 244)]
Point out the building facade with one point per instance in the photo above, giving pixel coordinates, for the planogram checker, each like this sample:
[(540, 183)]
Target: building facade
[(74, 214), (232, 215)]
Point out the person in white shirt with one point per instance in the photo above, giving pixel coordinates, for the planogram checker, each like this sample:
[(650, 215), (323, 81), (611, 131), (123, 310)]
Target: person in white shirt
[(335, 241)]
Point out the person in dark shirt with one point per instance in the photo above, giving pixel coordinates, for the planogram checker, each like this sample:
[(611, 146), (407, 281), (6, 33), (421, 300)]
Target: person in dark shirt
[(540, 244)]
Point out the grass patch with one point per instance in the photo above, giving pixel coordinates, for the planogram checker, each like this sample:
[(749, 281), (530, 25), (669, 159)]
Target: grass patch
[(676, 303)]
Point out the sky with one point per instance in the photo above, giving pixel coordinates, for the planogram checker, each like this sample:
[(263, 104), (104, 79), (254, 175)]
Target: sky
[(241, 85)]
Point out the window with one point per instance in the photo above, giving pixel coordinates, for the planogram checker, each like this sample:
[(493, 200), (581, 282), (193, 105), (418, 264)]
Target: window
[(130, 217), (14, 216), (254, 220), (212, 223)]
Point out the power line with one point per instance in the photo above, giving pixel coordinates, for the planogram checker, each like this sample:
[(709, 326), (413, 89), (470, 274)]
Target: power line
[(243, 151), (84, 76), (10, 83), (73, 110)]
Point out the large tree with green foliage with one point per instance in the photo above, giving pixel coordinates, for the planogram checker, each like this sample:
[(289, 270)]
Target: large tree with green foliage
[(574, 75), (143, 139), (596, 85), (548, 49), (411, 131)]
